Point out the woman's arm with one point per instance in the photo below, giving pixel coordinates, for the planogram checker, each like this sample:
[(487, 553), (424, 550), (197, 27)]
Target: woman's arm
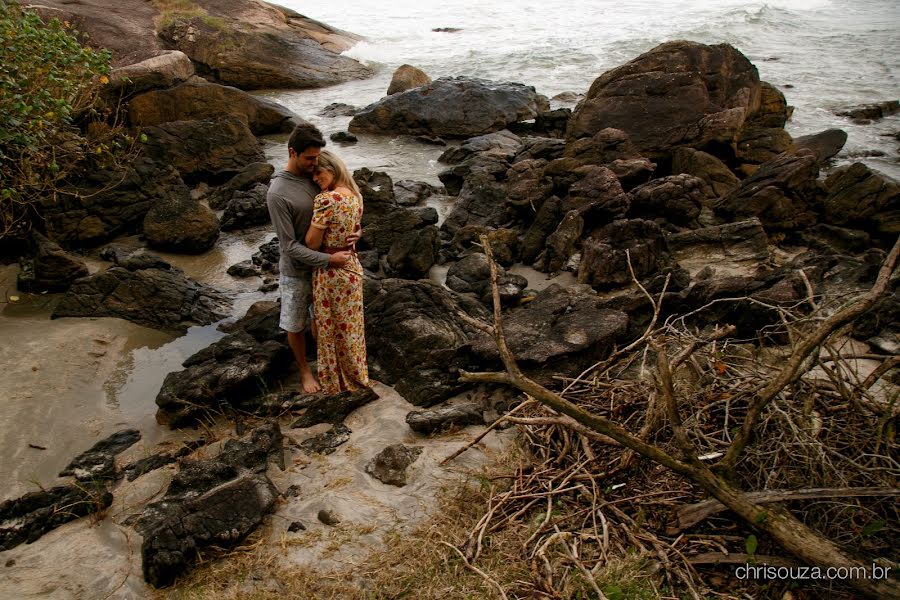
[(314, 237), (319, 223)]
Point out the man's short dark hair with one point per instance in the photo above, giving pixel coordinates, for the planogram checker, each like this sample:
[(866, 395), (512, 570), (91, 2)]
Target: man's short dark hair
[(305, 135)]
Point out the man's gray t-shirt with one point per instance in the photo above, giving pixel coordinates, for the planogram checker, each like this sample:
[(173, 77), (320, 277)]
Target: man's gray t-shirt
[(290, 203)]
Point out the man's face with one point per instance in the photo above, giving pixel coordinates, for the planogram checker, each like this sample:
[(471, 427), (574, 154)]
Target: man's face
[(307, 160)]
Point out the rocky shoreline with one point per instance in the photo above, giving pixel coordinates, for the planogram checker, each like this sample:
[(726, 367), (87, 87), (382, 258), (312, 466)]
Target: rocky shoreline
[(673, 171)]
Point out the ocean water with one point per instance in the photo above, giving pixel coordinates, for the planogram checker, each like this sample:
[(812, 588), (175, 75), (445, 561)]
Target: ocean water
[(825, 55)]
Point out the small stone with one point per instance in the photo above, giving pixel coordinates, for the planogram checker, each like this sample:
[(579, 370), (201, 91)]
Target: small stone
[(292, 492), (328, 517), (296, 526), (11, 562)]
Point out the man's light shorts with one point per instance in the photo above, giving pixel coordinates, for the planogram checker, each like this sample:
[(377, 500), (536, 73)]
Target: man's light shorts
[(296, 297)]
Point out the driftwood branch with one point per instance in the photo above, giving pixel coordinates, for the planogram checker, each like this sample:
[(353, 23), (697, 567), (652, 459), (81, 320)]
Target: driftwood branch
[(689, 515), (803, 350)]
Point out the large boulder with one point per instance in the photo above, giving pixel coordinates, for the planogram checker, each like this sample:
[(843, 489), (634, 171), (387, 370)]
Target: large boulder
[(860, 197), (708, 168), (165, 70), (451, 107), (51, 269), (482, 199), (676, 199), (742, 242), (210, 149), (249, 177), (416, 340), (608, 251), (407, 77), (413, 254), (826, 144), (678, 94), (154, 297), (197, 99), (246, 208), (181, 224), (110, 202), (504, 144), (472, 275)]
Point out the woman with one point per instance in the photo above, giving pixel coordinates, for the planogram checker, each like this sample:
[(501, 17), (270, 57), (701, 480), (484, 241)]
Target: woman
[(338, 291)]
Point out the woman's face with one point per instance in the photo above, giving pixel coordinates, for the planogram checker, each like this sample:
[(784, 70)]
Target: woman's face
[(324, 179)]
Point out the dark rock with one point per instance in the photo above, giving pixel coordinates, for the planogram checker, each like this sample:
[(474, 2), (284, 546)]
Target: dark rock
[(260, 321), (98, 462), (338, 109), (296, 526), (597, 195), (440, 418), (164, 70), (210, 149), (482, 198), (252, 175), (561, 243), (334, 408), (739, 242), (502, 144), (411, 193), (782, 193), (151, 463), (871, 111), (343, 137), (292, 491), (269, 285), (181, 224), (389, 466), (416, 340), (328, 517), (676, 199), (773, 109), (27, 518), (163, 299), (107, 203), (431, 140), (244, 268), (545, 222), (268, 256), (51, 269), (602, 148), (526, 185), (708, 168), (197, 99), (862, 198), (142, 259), (829, 239), (407, 77), (604, 261), (562, 329), (825, 144), (472, 275), (327, 442), (632, 172), (677, 94), (537, 148), (246, 209), (447, 29), (552, 123), (451, 107), (413, 254), (756, 145)]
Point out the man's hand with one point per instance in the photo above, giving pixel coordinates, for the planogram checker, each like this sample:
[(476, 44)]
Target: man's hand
[(354, 237), (339, 259)]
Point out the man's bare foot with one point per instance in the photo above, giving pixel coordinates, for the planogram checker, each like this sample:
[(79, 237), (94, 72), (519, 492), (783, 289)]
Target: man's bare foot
[(310, 385)]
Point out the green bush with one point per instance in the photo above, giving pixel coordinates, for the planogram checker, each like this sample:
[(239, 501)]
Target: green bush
[(49, 128)]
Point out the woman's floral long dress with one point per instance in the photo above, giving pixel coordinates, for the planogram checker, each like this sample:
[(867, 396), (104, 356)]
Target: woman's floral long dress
[(338, 298)]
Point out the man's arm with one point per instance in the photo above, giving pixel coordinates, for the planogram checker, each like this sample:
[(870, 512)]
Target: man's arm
[(287, 239)]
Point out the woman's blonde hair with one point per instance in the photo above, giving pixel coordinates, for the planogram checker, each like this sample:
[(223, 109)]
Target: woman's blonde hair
[(328, 161)]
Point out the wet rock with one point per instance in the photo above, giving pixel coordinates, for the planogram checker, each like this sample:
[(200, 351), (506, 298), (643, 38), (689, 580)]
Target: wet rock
[(407, 77), (411, 193), (293, 491), (632, 172), (202, 150), (782, 193), (268, 256), (98, 462), (829, 239), (756, 145), (773, 111), (246, 209), (502, 144), (552, 123), (198, 99), (249, 178), (739, 242), (413, 254), (338, 109), (440, 418), (27, 518), (825, 144), (389, 466), (607, 251), (482, 197), (597, 195), (327, 442), (343, 137), (561, 243), (163, 299), (675, 199), (677, 94), (296, 526), (871, 111), (181, 224), (708, 168), (862, 198), (451, 107), (334, 408), (51, 269), (245, 268), (601, 148), (472, 274), (545, 222), (328, 517), (157, 461), (526, 185), (416, 340)]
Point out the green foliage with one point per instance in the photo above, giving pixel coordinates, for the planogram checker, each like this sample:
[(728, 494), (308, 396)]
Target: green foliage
[(751, 543), (49, 85)]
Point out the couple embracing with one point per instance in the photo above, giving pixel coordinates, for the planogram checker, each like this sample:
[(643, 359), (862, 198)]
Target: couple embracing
[(316, 209)]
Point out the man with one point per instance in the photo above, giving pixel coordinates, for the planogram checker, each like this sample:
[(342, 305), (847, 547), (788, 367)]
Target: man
[(290, 203)]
